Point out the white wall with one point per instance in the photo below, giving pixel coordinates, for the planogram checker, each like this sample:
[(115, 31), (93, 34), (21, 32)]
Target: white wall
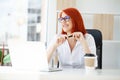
[(116, 30), (51, 24), (91, 7), (99, 6), (111, 54)]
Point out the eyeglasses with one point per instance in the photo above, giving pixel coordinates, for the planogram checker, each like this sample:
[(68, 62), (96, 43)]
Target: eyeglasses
[(66, 19)]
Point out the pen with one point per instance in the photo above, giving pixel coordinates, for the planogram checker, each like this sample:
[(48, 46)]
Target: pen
[(69, 36)]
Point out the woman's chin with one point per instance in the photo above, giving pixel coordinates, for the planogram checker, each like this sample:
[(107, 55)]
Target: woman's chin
[(65, 31)]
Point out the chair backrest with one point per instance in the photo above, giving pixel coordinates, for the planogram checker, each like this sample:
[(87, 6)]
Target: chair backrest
[(98, 41)]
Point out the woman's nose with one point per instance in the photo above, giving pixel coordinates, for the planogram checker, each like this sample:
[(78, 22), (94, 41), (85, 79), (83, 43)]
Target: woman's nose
[(63, 22)]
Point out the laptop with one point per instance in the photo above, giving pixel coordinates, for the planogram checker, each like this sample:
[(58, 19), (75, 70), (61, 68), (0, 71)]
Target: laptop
[(28, 55)]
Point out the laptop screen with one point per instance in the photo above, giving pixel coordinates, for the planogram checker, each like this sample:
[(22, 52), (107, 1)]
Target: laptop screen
[(27, 55)]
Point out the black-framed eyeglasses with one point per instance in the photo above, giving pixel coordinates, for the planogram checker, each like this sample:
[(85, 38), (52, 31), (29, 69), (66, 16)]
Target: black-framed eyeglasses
[(66, 19)]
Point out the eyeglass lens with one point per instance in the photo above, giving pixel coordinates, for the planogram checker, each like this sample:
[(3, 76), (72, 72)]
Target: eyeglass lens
[(66, 18)]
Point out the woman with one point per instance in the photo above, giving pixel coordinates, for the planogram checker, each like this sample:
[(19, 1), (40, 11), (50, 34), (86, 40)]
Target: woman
[(73, 42)]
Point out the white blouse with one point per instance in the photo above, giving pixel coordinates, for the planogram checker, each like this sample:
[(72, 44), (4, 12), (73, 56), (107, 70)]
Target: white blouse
[(74, 59)]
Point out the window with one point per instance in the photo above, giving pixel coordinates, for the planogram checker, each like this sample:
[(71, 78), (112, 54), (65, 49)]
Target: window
[(34, 19), (20, 18), (37, 20)]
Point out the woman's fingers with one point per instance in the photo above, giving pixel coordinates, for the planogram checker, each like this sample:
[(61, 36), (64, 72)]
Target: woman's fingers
[(61, 39), (77, 35)]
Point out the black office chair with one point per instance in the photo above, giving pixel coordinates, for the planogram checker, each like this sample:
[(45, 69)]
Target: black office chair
[(98, 41)]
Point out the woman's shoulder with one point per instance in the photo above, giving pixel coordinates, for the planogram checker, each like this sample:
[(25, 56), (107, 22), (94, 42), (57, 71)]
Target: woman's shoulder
[(89, 36)]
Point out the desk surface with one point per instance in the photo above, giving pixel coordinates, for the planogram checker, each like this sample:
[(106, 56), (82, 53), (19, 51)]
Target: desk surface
[(8, 73)]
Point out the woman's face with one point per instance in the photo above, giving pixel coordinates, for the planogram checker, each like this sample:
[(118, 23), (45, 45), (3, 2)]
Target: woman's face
[(66, 23)]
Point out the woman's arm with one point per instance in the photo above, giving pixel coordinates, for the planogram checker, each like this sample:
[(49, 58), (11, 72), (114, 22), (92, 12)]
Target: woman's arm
[(50, 52), (57, 42), (91, 43), (85, 46), (80, 37)]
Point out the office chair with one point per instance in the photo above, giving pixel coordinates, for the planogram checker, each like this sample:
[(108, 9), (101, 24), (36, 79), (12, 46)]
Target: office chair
[(98, 41)]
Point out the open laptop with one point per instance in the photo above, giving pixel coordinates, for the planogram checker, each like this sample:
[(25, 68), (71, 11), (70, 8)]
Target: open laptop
[(26, 55)]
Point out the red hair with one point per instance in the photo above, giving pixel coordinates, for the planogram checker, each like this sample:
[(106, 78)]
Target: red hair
[(77, 21)]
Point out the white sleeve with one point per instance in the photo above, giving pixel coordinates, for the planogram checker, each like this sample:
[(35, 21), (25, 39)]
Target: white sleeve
[(91, 43), (51, 42), (55, 52)]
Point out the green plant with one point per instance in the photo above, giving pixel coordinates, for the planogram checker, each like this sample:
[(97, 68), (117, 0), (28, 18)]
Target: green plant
[(6, 59), (0, 55)]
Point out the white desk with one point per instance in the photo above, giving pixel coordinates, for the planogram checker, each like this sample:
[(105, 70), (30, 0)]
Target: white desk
[(7, 73)]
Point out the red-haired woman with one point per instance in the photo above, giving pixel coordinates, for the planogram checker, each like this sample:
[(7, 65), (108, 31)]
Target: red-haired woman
[(73, 42)]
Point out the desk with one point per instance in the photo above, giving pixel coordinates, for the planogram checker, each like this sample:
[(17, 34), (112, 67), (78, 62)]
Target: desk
[(8, 73)]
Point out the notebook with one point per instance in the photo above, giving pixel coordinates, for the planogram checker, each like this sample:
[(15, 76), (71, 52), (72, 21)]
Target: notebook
[(28, 55)]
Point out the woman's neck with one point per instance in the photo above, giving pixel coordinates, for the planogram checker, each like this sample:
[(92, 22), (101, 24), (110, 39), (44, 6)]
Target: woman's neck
[(69, 33)]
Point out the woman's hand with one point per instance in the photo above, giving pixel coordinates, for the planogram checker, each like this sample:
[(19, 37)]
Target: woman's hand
[(60, 40), (78, 36)]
